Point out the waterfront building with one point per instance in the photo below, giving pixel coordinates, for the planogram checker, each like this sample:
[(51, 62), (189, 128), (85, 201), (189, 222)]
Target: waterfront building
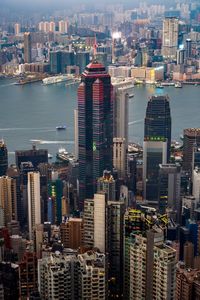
[(34, 202), (35, 156), (170, 37), (188, 48), (8, 198), (191, 139), (3, 158), (95, 119), (67, 59), (55, 62), (82, 59), (158, 120), (180, 56), (152, 267), (154, 154), (72, 233), (169, 189), (27, 47)]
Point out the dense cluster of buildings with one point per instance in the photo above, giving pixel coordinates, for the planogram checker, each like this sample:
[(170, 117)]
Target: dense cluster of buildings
[(123, 222)]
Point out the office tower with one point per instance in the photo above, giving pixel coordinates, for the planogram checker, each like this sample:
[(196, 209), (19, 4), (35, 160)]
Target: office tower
[(196, 157), (8, 198), (106, 184), (154, 154), (119, 156), (152, 267), (76, 133), (82, 59), (18, 245), (9, 274), (189, 255), (63, 26), (3, 158), (169, 189), (27, 47), (191, 138), (122, 92), (170, 37), (72, 233), (88, 218), (67, 59), (180, 56), (188, 48), (55, 193), (95, 119), (27, 275), (115, 211), (158, 120), (196, 186), (34, 205), (35, 156), (17, 29), (187, 283)]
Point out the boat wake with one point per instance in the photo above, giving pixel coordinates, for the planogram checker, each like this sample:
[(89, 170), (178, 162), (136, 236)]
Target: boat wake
[(135, 122), (25, 128), (42, 142)]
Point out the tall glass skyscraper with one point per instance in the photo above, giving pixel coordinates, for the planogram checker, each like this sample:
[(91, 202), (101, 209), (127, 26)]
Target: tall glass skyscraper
[(95, 122), (158, 120), (3, 158)]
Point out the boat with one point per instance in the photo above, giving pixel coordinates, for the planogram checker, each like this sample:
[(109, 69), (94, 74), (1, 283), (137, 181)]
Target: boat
[(159, 86), (50, 156), (61, 127), (65, 156), (56, 79), (178, 85)]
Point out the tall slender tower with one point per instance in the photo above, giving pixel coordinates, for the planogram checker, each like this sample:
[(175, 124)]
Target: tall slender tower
[(3, 158), (95, 122), (170, 37), (34, 205), (27, 47)]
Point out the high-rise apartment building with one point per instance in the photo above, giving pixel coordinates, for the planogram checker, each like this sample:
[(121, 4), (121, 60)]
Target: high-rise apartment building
[(152, 267), (8, 198), (191, 139), (154, 154), (170, 37), (82, 59), (73, 277), (34, 202), (17, 29), (27, 47), (95, 119), (89, 223), (72, 233), (63, 26), (158, 120), (3, 158)]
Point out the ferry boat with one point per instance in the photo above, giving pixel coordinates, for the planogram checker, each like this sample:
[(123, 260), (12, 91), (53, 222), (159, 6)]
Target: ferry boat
[(50, 156), (56, 79), (61, 127), (178, 85), (159, 86), (65, 156)]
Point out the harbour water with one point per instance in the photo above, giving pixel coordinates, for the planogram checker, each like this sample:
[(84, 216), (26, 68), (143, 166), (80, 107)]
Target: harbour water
[(32, 112)]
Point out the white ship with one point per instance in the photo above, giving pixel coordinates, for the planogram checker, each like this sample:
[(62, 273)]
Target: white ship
[(56, 79)]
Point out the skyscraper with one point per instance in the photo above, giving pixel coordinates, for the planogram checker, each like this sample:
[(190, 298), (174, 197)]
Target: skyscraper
[(191, 138), (3, 158), (95, 120), (170, 37), (158, 120), (27, 47), (34, 205)]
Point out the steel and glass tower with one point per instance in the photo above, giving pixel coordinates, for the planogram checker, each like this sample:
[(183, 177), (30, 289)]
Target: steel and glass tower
[(95, 122), (158, 120), (3, 158)]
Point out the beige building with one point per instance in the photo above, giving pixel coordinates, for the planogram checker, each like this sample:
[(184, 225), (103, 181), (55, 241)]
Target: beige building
[(170, 37), (119, 156), (72, 233)]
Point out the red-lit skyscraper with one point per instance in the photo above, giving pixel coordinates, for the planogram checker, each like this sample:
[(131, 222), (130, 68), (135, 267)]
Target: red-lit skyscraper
[(95, 122)]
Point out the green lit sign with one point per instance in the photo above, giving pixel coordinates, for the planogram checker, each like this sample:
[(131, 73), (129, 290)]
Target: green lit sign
[(94, 147), (156, 139)]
